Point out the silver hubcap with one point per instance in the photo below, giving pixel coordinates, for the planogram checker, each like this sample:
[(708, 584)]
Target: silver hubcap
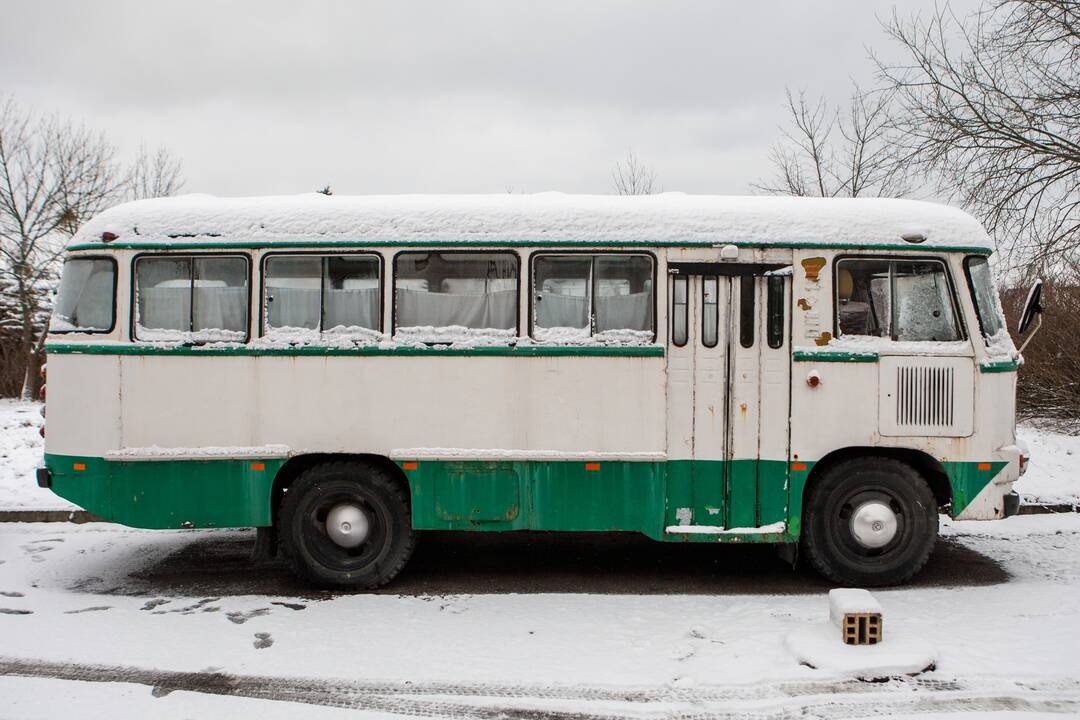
[(874, 524), (347, 525)]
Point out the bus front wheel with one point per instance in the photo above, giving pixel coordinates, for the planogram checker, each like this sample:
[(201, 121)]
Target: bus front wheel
[(869, 521), (346, 525)]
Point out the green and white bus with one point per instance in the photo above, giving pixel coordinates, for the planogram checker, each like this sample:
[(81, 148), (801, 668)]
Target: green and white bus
[(344, 372)]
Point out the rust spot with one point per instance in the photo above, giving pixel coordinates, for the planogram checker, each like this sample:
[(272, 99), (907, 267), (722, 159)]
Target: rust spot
[(824, 338), (743, 408), (803, 305), (812, 267)]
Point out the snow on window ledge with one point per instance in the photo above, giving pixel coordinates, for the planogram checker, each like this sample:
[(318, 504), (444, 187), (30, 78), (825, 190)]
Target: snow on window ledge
[(867, 345)]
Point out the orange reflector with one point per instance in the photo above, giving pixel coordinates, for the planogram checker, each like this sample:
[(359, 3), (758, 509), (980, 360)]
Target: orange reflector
[(79, 466), (258, 466), (984, 466), (798, 467), (592, 466), (409, 466)]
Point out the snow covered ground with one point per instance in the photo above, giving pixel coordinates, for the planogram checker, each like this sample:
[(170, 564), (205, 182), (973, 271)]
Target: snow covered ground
[(89, 620), (20, 454), (72, 634), (1054, 475)]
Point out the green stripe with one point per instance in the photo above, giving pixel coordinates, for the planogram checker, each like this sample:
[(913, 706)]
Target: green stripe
[(834, 356), (566, 495), (259, 244), (168, 493), (405, 351), (999, 366), (968, 481)]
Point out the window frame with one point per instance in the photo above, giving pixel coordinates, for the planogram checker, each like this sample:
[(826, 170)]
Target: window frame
[(115, 287), (704, 306), (452, 251), (320, 253), (961, 319), (748, 316), (592, 310), (771, 282), (975, 297), (132, 322)]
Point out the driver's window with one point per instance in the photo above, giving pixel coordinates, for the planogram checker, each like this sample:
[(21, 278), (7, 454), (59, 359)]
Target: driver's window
[(901, 300)]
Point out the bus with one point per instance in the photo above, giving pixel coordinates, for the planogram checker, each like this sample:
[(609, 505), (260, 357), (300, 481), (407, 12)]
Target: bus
[(341, 373)]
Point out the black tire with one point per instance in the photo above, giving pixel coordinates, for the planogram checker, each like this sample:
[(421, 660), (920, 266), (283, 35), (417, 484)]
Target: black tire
[(828, 537), (311, 552)]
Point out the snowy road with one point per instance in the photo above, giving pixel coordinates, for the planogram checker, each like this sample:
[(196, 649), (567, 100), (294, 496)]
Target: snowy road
[(122, 622)]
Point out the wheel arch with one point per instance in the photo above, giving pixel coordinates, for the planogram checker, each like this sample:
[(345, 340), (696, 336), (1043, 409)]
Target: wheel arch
[(926, 465), (298, 464)]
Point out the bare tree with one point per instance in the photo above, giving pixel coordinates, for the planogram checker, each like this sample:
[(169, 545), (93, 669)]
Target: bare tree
[(157, 174), (836, 152), (53, 176), (991, 104), (634, 178)]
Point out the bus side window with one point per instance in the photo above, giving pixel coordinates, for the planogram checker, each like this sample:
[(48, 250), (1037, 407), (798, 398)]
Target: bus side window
[(906, 300), (746, 310), (338, 293), (192, 299), (448, 296), (774, 331), (583, 295), (679, 311)]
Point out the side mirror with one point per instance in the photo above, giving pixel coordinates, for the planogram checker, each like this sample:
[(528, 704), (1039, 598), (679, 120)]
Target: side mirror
[(1033, 309), (1032, 306)]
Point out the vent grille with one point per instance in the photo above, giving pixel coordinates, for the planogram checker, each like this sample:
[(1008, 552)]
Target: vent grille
[(925, 396)]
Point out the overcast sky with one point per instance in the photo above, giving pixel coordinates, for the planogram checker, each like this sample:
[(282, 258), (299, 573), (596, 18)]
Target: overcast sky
[(283, 97)]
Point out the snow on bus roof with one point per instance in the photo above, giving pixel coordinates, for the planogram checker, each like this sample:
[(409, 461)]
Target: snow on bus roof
[(543, 218)]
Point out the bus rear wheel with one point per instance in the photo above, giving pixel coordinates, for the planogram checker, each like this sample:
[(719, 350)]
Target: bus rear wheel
[(346, 525), (869, 522)]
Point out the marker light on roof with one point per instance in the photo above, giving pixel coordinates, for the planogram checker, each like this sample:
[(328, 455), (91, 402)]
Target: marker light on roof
[(108, 236), (914, 237)]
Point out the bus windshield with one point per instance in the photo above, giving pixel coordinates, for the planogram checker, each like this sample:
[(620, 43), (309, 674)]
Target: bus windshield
[(982, 288), (84, 302)]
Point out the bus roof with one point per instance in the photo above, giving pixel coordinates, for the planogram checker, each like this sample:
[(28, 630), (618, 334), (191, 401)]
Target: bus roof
[(550, 218)]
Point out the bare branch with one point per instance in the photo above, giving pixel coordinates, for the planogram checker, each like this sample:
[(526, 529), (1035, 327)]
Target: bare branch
[(810, 158), (157, 174), (990, 104), (633, 178)]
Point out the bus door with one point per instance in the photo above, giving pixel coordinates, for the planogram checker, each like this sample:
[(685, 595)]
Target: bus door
[(722, 372)]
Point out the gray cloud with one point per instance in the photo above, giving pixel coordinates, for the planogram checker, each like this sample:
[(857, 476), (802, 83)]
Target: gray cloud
[(278, 97)]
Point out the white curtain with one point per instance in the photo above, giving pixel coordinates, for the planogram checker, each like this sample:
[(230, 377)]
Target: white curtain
[(221, 308), (293, 307), (624, 312), (352, 308), (556, 310), (216, 308), (165, 308), (416, 308)]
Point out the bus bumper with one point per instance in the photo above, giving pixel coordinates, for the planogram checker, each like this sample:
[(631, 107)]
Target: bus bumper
[(1012, 504), (995, 499), (44, 477)]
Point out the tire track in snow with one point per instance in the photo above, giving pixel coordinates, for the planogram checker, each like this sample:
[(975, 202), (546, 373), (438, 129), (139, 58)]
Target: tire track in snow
[(775, 701)]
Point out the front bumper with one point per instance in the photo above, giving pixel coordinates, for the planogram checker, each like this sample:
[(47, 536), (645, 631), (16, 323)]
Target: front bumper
[(1011, 504), (44, 477)]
